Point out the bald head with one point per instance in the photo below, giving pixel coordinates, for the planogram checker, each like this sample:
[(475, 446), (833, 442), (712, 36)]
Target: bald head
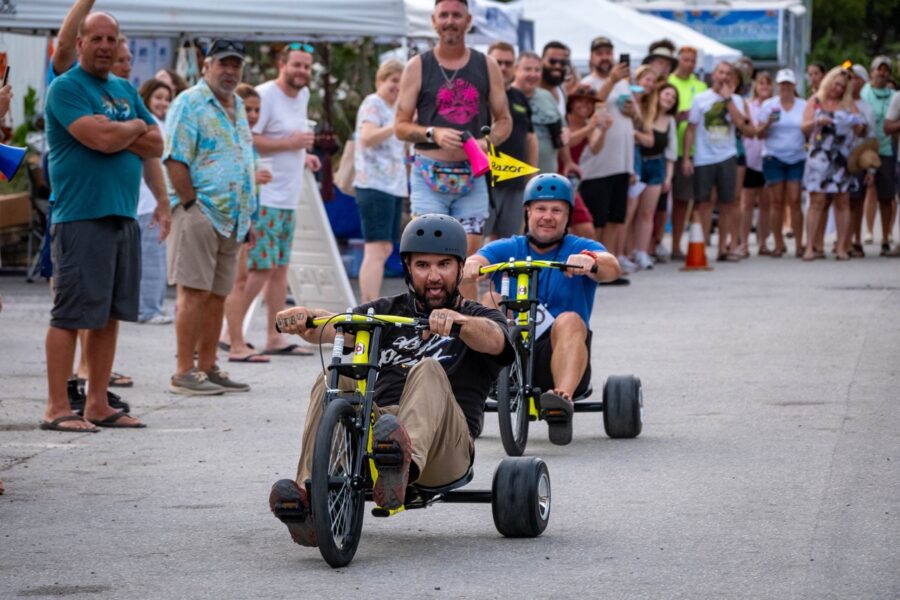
[(98, 42)]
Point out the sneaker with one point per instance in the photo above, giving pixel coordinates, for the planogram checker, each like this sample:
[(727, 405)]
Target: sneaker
[(220, 378), (194, 383), (662, 253), (393, 453), (160, 319), (628, 267), (78, 398), (895, 252), (289, 503), (643, 260)]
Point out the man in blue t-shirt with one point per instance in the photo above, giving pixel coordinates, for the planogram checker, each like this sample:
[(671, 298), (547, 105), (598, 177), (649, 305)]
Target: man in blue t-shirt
[(562, 348), (99, 131)]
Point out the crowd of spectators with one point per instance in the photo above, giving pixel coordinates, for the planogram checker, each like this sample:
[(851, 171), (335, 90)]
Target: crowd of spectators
[(648, 149)]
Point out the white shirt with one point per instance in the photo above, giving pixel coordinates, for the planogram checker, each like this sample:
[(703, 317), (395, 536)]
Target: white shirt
[(784, 139), (715, 139), (280, 116), (617, 154), (146, 199)]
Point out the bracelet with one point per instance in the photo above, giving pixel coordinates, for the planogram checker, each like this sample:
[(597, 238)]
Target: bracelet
[(591, 253)]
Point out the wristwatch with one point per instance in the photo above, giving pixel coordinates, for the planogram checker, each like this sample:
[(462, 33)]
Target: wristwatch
[(429, 135)]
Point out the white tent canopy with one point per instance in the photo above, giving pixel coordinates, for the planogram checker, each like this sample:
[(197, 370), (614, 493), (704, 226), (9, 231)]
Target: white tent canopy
[(577, 22), (270, 20), (491, 21)]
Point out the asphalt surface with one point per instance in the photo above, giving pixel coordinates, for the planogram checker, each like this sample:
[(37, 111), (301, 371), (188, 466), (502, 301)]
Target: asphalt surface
[(769, 464)]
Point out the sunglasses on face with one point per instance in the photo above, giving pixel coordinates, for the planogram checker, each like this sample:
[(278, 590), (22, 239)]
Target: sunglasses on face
[(301, 46), (562, 62), (220, 45), (505, 63)]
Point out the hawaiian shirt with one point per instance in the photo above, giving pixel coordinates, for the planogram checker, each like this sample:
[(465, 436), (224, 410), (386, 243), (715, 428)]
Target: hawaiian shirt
[(219, 154)]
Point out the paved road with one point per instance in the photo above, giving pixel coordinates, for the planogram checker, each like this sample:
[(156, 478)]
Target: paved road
[(769, 466)]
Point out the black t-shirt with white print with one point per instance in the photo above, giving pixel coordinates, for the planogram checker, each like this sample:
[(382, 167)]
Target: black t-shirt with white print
[(470, 373)]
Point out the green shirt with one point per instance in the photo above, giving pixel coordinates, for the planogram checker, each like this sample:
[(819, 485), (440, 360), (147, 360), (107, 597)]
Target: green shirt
[(89, 184), (880, 100), (687, 91)]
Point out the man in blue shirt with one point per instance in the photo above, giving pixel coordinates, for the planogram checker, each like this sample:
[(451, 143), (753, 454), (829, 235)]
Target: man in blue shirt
[(99, 131), (567, 298)]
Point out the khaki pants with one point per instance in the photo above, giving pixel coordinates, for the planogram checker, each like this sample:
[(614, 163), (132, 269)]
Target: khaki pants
[(441, 446)]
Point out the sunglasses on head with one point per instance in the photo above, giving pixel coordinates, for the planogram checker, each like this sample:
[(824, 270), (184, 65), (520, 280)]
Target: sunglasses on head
[(300, 46), (563, 62), (220, 45)]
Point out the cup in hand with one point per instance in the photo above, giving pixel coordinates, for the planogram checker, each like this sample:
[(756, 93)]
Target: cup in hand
[(265, 164)]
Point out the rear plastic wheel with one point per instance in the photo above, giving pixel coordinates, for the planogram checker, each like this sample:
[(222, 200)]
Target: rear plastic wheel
[(520, 497), (623, 406)]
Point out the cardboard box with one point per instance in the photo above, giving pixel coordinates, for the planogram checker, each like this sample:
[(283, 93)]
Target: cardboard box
[(15, 210)]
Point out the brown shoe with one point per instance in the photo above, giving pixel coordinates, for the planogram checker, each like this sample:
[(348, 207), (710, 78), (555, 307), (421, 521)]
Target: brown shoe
[(393, 453), (289, 503)]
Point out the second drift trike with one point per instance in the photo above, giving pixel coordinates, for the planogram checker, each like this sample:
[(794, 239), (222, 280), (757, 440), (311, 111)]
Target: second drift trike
[(517, 400), (345, 459)]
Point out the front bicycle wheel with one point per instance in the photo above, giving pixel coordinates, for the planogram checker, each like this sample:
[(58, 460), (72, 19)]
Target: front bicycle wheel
[(337, 508), (512, 408)]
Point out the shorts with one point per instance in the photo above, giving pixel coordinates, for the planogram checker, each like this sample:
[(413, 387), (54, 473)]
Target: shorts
[(507, 217), (98, 272), (606, 198), (199, 256), (682, 185), (722, 176), (543, 378), (886, 180), (274, 238), (379, 215), (469, 208), (581, 214), (47, 245), (777, 171), (653, 170), (753, 179)]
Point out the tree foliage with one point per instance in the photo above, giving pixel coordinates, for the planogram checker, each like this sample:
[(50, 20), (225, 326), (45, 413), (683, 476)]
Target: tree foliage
[(854, 30)]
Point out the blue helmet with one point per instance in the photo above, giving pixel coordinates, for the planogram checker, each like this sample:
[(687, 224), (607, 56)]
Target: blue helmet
[(550, 186)]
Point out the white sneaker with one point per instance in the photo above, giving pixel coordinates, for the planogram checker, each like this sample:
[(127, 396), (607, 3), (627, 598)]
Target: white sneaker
[(161, 319), (627, 266), (643, 259), (662, 253)]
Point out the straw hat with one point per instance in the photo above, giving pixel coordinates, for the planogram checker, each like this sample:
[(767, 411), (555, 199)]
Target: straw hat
[(865, 156)]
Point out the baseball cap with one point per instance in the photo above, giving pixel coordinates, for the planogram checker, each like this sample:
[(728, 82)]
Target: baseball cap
[(225, 48), (860, 71), (786, 76), (600, 41), (881, 60)]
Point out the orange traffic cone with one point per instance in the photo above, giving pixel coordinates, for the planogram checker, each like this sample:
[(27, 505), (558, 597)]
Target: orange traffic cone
[(696, 256)]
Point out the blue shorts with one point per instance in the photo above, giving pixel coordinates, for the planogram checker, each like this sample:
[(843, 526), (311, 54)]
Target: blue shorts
[(468, 204), (653, 170), (379, 215), (776, 171)]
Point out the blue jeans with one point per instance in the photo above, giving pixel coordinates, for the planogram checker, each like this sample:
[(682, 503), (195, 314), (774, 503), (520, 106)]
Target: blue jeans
[(153, 270)]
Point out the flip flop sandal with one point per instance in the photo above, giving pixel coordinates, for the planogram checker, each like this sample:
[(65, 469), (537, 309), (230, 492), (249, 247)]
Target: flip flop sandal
[(56, 425), (557, 411), (289, 350), (227, 347), (119, 380), (112, 421), (256, 357)]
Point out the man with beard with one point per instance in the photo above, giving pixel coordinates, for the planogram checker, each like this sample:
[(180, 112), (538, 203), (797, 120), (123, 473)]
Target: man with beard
[(555, 65), (430, 392), (506, 201), (98, 131), (283, 135), (209, 157), (563, 336), (608, 173), (447, 93)]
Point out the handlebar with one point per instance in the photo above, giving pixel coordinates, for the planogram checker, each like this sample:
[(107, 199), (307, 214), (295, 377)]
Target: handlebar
[(525, 266), (419, 324)]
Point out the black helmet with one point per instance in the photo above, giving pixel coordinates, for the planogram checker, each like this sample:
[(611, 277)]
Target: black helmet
[(434, 234)]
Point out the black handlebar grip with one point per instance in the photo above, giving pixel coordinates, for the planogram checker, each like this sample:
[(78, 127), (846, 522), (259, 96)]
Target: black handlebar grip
[(310, 324), (486, 130), (455, 329), (594, 269)]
